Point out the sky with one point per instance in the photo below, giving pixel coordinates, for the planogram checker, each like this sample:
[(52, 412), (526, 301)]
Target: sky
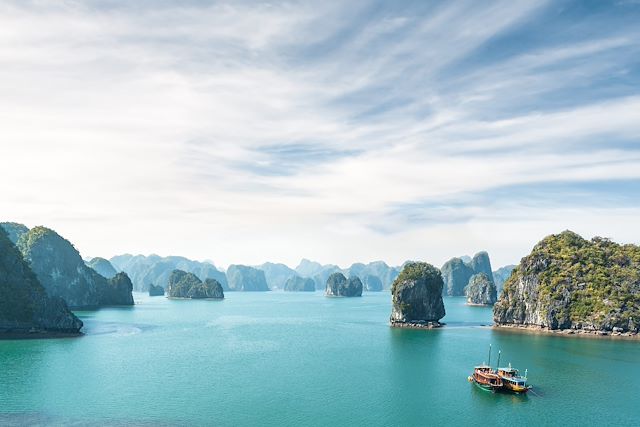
[(245, 132)]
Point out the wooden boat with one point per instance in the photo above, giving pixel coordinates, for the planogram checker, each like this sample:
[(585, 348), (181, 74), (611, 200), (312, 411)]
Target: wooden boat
[(512, 381), (485, 377)]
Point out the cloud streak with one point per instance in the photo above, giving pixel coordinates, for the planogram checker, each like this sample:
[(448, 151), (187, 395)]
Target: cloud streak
[(247, 131)]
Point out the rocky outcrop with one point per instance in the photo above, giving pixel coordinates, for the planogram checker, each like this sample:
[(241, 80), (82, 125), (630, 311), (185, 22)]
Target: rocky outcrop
[(63, 273), (25, 307), (416, 297), (480, 290), (456, 273), (187, 285), (339, 286), (574, 284), (14, 230), (300, 284), (372, 283), (501, 275), (247, 279), (155, 291), (118, 291), (378, 269), (276, 274), (144, 270), (102, 267)]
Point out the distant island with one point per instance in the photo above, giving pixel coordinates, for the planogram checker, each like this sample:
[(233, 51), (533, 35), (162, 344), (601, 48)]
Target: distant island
[(339, 286), (188, 286), (571, 285)]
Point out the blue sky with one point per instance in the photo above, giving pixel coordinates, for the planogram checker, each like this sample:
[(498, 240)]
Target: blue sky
[(343, 131)]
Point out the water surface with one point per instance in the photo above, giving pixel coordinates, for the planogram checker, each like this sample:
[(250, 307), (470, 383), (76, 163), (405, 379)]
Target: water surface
[(302, 359)]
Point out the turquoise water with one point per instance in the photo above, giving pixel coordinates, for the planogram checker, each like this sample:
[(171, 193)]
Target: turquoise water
[(303, 359)]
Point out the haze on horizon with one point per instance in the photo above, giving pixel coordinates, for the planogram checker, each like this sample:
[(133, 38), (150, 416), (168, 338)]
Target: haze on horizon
[(243, 132)]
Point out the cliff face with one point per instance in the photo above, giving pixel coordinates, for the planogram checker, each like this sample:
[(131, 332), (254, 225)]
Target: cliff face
[(456, 272), (372, 283), (187, 285), (63, 273), (501, 275), (416, 296), (14, 230), (248, 279), (340, 286), (276, 275), (102, 267), (117, 291), (144, 270), (24, 304), (299, 284), (568, 282), (481, 290)]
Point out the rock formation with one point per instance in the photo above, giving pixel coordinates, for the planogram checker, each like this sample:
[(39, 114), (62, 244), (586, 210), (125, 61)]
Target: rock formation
[(14, 230), (340, 286), (299, 284), (187, 285), (456, 273), (25, 306), (117, 291), (63, 273), (480, 290), (276, 274), (501, 275), (416, 297), (372, 283), (103, 267), (155, 291), (144, 270), (571, 283), (248, 279)]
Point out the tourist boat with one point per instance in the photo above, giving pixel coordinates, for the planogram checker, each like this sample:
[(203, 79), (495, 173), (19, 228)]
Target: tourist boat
[(513, 382), (485, 377)]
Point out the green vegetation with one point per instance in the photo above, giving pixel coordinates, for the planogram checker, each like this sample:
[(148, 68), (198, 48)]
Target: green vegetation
[(416, 271), (596, 281)]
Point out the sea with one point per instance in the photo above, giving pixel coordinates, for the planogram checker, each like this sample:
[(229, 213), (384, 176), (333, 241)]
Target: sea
[(302, 359)]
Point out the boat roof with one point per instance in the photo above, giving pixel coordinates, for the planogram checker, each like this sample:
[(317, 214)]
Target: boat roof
[(508, 369), (482, 366)]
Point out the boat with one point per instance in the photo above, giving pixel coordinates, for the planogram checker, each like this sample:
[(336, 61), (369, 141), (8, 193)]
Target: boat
[(512, 381), (501, 379), (485, 377)]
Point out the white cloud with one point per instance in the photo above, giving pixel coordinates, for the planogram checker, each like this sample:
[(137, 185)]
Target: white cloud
[(244, 132)]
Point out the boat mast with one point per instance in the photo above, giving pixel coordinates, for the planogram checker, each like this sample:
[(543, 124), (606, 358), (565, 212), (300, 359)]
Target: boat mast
[(489, 355), (498, 365)]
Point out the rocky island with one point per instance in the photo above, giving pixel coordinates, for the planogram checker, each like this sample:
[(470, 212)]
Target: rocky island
[(155, 291), (299, 284), (247, 279), (25, 307), (62, 272), (456, 273), (189, 286), (340, 286), (372, 283), (416, 297), (480, 290), (572, 285)]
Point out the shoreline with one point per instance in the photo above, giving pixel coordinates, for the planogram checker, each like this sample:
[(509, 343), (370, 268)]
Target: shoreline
[(195, 299), (416, 325), (26, 335), (580, 333)]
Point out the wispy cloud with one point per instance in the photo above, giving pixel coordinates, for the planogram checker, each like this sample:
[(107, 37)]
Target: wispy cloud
[(246, 131)]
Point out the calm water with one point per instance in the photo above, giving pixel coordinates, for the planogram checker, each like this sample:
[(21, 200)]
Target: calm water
[(303, 359)]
